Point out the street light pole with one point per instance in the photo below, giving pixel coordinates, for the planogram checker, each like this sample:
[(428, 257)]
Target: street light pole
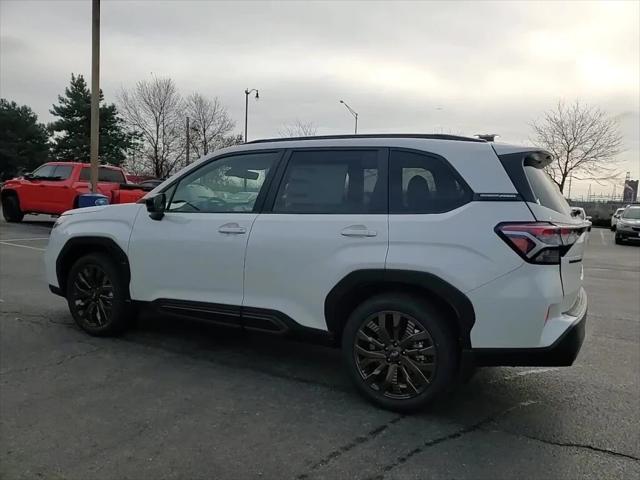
[(248, 92), (353, 112), (95, 92), (188, 141)]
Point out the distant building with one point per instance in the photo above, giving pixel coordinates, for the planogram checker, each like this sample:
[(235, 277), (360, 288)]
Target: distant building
[(630, 193)]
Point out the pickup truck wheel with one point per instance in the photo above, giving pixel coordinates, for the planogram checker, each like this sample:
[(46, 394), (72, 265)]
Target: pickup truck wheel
[(399, 352), (11, 209), (97, 296)]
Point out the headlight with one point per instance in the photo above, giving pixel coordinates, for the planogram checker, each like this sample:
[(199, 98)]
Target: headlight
[(622, 225), (61, 219)]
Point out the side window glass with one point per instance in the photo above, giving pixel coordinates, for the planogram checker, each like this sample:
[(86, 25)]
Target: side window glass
[(231, 184), (332, 181), (421, 183), (111, 176), (63, 171), (44, 171)]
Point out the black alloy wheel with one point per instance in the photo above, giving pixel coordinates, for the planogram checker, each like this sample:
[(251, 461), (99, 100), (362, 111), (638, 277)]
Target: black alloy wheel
[(395, 355), (98, 296), (92, 295), (401, 351)]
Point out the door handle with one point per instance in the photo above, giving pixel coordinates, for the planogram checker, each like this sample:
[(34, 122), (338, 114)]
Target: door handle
[(358, 231), (232, 228)]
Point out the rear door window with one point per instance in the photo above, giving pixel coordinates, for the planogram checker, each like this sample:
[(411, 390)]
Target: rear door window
[(333, 182), (545, 191), (104, 175), (111, 175)]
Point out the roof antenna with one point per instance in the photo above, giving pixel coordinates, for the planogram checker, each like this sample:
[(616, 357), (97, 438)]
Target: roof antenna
[(487, 137)]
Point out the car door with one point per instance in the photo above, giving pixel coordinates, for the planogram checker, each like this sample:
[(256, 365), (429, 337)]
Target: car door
[(326, 219), (191, 261), (59, 194), (33, 197)]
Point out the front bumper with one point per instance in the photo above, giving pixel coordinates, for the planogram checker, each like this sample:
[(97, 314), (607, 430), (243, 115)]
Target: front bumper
[(562, 353), (628, 234)]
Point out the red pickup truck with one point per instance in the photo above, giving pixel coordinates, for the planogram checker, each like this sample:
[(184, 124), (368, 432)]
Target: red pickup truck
[(55, 187)]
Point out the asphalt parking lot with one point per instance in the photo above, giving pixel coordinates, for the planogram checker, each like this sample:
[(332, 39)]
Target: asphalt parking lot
[(181, 400)]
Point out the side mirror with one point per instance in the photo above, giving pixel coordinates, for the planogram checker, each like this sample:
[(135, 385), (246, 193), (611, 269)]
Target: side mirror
[(589, 217), (156, 206)]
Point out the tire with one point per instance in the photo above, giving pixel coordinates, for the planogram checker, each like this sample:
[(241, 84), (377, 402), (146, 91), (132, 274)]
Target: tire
[(11, 209), (95, 280), (618, 240), (613, 228), (435, 351)]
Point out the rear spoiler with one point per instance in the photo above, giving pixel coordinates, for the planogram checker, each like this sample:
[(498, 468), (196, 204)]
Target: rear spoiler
[(538, 159)]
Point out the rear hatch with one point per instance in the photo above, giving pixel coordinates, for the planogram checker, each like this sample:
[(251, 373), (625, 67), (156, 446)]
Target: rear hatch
[(544, 199)]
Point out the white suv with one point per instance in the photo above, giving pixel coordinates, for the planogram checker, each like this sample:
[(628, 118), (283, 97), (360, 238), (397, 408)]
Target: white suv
[(422, 255)]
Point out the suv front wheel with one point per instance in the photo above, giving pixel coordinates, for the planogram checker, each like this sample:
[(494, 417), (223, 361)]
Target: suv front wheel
[(97, 296), (399, 351)]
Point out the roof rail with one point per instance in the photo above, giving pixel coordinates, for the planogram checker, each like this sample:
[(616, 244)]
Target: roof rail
[(433, 136)]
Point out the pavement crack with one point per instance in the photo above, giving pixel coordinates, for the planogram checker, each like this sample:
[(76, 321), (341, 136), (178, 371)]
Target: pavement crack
[(48, 365), (349, 446), (445, 438), (573, 445)]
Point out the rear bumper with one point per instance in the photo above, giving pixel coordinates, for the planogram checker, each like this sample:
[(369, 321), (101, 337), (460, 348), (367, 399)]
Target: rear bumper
[(562, 353)]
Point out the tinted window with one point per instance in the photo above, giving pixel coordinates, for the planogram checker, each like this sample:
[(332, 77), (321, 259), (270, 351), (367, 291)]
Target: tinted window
[(332, 181), (63, 171), (104, 175), (545, 191), (231, 184), (420, 183), (44, 171), (632, 212)]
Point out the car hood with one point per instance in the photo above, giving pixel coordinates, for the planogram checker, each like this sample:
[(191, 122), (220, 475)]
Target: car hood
[(121, 211)]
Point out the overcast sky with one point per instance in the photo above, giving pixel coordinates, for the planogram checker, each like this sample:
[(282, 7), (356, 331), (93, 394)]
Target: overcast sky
[(458, 67)]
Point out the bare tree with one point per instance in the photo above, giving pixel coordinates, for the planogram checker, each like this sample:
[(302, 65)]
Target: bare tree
[(584, 141), (155, 109), (210, 123), (298, 129)]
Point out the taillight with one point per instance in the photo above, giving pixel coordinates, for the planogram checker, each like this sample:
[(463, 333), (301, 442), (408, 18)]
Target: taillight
[(539, 242)]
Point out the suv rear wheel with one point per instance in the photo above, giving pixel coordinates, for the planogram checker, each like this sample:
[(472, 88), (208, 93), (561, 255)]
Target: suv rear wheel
[(97, 296), (399, 351), (11, 209)]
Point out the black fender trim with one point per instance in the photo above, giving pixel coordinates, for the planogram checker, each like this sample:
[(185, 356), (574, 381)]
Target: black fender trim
[(87, 244), (246, 318), (444, 291)]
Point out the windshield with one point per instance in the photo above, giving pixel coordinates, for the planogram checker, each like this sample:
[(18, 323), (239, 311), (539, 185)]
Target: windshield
[(633, 213)]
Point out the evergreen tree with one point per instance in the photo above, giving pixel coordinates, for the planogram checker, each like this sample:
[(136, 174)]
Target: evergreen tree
[(71, 137), (23, 141)]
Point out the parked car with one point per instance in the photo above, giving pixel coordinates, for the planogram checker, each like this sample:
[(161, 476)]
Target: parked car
[(615, 217), (55, 187), (420, 255), (628, 226), (582, 215)]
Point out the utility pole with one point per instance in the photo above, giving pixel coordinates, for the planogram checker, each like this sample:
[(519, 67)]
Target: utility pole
[(569, 195), (188, 140), (95, 91)]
